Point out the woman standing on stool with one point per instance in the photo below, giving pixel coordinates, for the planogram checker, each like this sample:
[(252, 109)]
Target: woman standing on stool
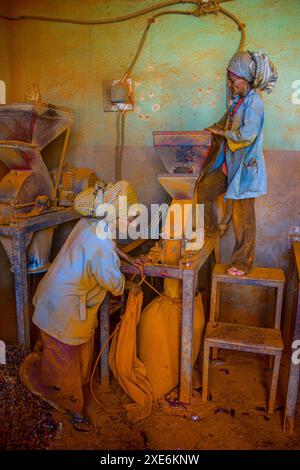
[(238, 168)]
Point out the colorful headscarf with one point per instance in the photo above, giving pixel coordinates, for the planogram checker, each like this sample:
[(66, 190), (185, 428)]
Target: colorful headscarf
[(256, 68)]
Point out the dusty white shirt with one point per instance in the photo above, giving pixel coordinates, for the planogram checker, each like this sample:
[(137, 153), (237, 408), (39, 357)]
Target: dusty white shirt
[(70, 294)]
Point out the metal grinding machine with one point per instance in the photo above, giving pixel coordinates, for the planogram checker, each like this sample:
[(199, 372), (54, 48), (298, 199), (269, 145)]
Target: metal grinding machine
[(171, 327), (32, 202), (27, 189), (183, 154)]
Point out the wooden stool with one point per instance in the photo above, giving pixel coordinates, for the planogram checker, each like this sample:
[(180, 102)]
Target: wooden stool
[(241, 337)]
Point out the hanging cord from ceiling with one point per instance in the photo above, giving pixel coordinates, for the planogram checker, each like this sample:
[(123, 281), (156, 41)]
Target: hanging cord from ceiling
[(202, 9), (117, 155), (120, 143), (117, 19)]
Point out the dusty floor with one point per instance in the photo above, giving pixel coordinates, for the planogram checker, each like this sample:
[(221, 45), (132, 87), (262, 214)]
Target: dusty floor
[(26, 422), (233, 419)]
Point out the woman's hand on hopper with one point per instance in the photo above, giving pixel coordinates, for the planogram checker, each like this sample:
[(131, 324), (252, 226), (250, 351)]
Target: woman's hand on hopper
[(216, 131)]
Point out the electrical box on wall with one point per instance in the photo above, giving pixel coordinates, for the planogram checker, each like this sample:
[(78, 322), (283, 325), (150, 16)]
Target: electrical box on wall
[(117, 96)]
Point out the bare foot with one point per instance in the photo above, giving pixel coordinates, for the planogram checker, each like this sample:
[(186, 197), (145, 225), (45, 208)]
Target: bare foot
[(235, 272)]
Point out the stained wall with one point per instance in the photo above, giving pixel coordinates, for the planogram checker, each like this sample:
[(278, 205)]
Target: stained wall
[(179, 84)]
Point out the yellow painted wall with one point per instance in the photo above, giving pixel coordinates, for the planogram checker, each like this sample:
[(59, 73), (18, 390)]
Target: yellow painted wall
[(5, 54)]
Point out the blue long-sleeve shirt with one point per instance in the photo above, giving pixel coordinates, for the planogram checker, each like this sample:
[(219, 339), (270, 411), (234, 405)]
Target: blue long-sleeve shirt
[(244, 153)]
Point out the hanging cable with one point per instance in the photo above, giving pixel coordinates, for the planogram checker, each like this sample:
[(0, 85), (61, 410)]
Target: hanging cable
[(122, 142), (202, 8), (105, 345), (117, 156), (241, 25), (117, 19), (145, 34), (206, 8)]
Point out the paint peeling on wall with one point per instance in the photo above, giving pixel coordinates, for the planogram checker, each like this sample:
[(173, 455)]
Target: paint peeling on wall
[(179, 50), (179, 84)]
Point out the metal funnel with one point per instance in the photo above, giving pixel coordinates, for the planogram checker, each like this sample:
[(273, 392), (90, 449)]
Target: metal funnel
[(178, 186), (35, 123), (183, 154)]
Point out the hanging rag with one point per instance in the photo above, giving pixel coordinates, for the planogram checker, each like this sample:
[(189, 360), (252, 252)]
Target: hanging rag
[(127, 368)]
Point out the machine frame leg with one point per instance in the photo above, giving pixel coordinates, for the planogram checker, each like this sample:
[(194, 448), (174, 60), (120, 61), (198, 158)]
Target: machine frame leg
[(104, 335), (21, 288), (186, 359), (205, 373)]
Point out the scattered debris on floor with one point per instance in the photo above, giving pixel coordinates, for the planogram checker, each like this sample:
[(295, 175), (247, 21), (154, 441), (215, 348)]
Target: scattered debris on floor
[(26, 421), (235, 418)]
